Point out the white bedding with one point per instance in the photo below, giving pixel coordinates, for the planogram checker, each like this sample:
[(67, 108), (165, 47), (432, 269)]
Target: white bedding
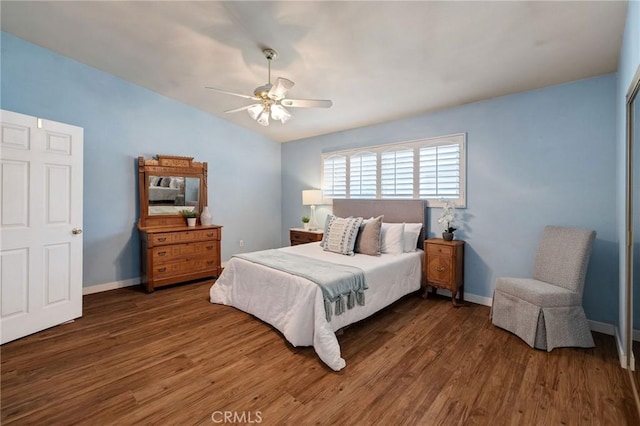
[(161, 193), (295, 306)]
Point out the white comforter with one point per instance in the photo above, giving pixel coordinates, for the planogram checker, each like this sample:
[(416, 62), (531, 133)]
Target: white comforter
[(294, 305)]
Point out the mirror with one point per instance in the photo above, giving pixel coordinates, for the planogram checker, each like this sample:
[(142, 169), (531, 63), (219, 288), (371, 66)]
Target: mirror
[(167, 185), (634, 264), (632, 224), (171, 194)]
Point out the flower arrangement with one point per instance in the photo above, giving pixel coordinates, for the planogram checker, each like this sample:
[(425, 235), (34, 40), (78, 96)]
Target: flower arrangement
[(305, 219), (448, 216)]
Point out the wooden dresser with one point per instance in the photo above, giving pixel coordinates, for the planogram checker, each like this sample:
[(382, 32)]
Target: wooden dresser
[(170, 251), (302, 236), (444, 267), (171, 255)]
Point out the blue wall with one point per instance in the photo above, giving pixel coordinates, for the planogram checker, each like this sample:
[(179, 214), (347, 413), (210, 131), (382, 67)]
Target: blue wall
[(542, 157), (122, 121), (536, 158)]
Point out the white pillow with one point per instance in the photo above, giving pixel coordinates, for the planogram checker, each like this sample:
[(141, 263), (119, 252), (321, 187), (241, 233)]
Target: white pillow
[(392, 238), (411, 235)]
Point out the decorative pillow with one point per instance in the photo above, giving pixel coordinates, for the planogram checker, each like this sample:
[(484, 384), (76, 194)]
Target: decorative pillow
[(368, 241), (327, 225), (342, 235), (392, 238), (410, 237), (176, 183), (165, 182), (154, 180)]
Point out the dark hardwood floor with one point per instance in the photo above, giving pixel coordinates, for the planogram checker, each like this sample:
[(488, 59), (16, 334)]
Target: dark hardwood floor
[(173, 358)]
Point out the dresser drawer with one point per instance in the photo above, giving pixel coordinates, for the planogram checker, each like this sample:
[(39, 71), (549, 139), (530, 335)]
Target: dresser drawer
[(184, 266), (176, 251), (184, 237), (439, 250), (302, 237)]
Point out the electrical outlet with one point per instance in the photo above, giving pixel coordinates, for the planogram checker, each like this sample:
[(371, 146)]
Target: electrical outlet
[(241, 243)]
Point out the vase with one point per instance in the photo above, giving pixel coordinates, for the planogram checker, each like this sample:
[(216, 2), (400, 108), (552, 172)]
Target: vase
[(306, 226), (447, 236), (205, 216), (191, 221)]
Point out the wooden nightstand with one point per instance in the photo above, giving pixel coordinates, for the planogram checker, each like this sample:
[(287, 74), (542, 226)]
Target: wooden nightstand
[(444, 267), (301, 236)]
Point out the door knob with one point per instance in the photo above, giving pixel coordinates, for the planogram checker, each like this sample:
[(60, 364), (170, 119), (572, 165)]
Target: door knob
[(76, 231)]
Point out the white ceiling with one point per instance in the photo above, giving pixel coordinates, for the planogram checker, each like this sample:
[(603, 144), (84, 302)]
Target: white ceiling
[(377, 61)]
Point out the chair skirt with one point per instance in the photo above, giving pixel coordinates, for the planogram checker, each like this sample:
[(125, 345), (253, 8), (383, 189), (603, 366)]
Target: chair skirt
[(541, 328)]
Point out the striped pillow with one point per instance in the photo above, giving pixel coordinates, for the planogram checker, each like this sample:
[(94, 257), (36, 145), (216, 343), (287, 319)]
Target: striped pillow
[(341, 234)]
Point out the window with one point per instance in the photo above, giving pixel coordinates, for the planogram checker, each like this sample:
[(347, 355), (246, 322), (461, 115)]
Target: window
[(396, 173), (429, 169), (334, 180), (362, 175), (440, 171)]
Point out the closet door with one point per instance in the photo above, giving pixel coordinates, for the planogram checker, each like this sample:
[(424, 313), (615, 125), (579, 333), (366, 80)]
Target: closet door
[(40, 224), (635, 244)]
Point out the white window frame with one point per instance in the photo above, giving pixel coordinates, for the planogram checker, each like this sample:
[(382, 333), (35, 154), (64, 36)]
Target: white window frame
[(459, 139)]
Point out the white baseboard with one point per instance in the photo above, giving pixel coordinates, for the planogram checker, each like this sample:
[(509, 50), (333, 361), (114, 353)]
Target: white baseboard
[(468, 297), (480, 300), (110, 286), (602, 327)]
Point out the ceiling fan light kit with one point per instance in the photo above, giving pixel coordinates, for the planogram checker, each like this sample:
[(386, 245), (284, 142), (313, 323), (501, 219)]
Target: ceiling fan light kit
[(271, 98)]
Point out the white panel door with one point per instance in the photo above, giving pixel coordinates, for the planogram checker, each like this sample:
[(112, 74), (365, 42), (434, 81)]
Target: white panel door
[(40, 224)]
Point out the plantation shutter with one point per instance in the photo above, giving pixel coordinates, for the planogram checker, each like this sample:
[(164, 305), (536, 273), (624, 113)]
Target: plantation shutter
[(432, 169), (362, 175), (335, 176), (440, 171), (396, 173)]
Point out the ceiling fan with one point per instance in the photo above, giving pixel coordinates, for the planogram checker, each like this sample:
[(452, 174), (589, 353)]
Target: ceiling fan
[(271, 99)]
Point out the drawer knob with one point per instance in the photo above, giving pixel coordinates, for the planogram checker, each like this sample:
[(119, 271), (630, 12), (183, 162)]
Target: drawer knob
[(440, 268), (162, 269), (210, 235), (162, 239), (162, 253), (209, 247), (209, 262)]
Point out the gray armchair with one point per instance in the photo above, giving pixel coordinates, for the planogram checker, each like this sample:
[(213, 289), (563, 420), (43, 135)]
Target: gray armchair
[(546, 311)]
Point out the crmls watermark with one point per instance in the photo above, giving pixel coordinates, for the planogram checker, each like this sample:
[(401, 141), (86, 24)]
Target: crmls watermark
[(236, 417)]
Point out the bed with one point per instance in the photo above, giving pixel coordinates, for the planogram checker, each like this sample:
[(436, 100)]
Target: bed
[(295, 305), (160, 193), (165, 189)]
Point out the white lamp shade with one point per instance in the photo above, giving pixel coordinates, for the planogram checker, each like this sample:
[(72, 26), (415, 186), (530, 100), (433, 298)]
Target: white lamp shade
[(312, 197), (280, 113), (255, 110), (263, 118)]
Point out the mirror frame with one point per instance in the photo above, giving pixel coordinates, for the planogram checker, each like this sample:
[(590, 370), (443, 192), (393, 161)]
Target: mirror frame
[(168, 165)]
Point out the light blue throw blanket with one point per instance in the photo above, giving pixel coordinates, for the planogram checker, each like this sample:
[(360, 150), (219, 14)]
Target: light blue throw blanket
[(338, 282)]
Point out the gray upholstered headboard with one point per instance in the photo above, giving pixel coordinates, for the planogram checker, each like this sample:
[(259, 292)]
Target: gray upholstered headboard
[(394, 211)]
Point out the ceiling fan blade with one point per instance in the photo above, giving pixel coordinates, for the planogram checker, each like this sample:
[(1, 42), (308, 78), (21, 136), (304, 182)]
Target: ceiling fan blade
[(232, 93), (306, 103), (279, 89), (239, 109)]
